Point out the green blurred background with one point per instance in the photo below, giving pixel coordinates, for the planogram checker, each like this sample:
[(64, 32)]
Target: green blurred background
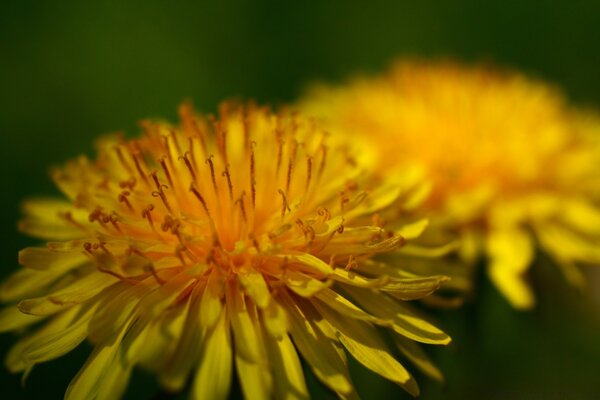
[(71, 70)]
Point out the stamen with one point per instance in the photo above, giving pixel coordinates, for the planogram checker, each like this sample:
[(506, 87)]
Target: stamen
[(307, 230), (285, 207), (188, 165), (113, 218), (128, 184), (279, 152), (68, 216), (123, 199), (221, 137), (252, 175), (254, 241), (104, 184), (240, 201), (352, 264), (324, 213), (227, 175), (122, 159), (87, 246), (150, 268), (138, 166), (97, 215), (308, 172), (160, 192), (209, 161), (175, 141), (146, 213), (290, 167), (200, 134), (323, 160), (191, 150), (200, 198), (163, 164)]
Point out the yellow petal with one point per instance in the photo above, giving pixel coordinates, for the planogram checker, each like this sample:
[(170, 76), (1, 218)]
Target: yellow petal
[(415, 250), (255, 286), (56, 344), (303, 285), (275, 319), (510, 252), (413, 288), (255, 376), (288, 378), (117, 305), (90, 378), (413, 230), (404, 320), (188, 348), (40, 258), (317, 350), (77, 292), (582, 216), (308, 263), (27, 283), (213, 378), (344, 306), (567, 245), (11, 318), (15, 361), (211, 305), (244, 332), (363, 342), (417, 356), (44, 219), (350, 277)]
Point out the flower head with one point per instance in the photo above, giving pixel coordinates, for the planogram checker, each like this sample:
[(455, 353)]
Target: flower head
[(511, 165), (236, 242)]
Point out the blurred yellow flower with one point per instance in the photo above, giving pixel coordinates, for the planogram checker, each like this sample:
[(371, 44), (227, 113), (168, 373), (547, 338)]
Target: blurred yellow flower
[(512, 167), (242, 240)]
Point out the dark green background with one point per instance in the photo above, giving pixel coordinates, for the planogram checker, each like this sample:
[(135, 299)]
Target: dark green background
[(71, 70)]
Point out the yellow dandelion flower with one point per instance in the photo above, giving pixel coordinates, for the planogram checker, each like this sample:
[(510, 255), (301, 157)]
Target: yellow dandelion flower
[(511, 165), (240, 242)]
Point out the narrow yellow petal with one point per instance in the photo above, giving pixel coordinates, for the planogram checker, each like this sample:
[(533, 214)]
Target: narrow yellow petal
[(582, 216), (244, 333), (55, 344), (177, 368), (418, 357), (414, 229), (11, 318), (363, 342), (255, 286), (255, 376), (211, 305), (413, 288), (275, 319), (77, 292), (404, 320), (44, 219), (415, 250), (15, 360), (318, 350), (512, 286), (89, 379), (288, 378), (308, 262), (344, 306), (40, 258), (27, 283), (510, 252), (304, 285), (213, 378)]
